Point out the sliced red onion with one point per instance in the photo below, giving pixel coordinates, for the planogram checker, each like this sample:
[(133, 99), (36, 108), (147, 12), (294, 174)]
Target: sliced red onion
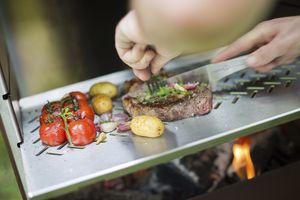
[(98, 128), (120, 117), (190, 86), (106, 117), (123, 127), (171, 85), (108, 126)]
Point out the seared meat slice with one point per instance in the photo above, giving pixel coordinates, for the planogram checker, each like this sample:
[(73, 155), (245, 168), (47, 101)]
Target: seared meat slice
[(175, 107)]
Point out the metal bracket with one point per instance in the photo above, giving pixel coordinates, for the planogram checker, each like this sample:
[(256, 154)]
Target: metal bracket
[(6, 96)]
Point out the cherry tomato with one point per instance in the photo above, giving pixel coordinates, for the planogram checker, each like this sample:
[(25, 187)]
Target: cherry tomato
[(46, 118), (53, 133), (79, 109), (85, 112), (71, 103), (50, 111), (51, 107), (82, 103), (82, 132), (79, 96)]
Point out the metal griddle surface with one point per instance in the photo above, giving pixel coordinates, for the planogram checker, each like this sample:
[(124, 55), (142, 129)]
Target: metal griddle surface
[(238, 114)]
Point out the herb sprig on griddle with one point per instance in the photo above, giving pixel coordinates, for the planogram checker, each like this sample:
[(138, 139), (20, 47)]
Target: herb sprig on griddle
[(167, 91)]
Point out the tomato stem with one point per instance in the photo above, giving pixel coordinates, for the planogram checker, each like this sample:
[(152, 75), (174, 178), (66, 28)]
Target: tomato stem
[(63, 116)]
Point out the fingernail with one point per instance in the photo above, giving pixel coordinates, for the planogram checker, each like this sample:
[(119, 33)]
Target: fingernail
[(251, 61)]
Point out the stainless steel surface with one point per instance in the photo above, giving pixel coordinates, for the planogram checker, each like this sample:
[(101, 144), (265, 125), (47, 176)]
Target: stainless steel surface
[(235, 114), (211, 73)]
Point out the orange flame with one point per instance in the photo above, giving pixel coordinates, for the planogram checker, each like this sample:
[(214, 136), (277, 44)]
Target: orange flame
[(242, 163)]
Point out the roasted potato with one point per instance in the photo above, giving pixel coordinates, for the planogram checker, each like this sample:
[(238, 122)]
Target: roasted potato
[(105, 88), (102, 104), (147, 126)]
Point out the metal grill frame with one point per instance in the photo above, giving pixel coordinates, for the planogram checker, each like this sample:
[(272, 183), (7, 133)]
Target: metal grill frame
[(233, 91)]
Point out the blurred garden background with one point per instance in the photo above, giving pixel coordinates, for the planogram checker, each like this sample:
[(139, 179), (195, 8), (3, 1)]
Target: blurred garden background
[(8, 186)]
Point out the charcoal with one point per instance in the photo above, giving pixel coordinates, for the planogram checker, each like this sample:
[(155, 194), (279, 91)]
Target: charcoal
[(209, 166), (98, 192), (168, 181)]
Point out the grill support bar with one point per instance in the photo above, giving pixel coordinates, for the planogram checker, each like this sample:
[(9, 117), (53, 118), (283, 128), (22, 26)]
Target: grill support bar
[(11, 133)]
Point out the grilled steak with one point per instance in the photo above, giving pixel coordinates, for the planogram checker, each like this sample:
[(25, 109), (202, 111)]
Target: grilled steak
[(173, 107)]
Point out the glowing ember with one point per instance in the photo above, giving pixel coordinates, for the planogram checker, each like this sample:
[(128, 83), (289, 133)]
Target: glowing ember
[(242, 163)]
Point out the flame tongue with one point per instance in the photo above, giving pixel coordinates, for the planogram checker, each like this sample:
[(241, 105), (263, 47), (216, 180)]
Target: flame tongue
[(242, 163)]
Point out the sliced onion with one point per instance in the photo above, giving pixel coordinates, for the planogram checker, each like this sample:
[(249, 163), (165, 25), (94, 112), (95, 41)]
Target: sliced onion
[(123, 127), (120, 117), (171, 85), (190, 86), (98, 128), (108, 126), (106, 117)]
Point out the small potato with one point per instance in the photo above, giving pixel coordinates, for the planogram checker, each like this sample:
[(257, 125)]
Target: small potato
[(147, 126), (102, 104), (105, 88)]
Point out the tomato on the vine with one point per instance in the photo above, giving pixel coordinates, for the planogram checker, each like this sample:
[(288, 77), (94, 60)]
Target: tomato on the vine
[(47, 118), (51, 107), (50, 111), (79, 96), (82, 131), (85, 112), (70, 103), (74, 112), (53, 133), (79, 109)]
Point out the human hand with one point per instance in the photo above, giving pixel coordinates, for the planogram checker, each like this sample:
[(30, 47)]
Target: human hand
[(136, 50), (278, 41)]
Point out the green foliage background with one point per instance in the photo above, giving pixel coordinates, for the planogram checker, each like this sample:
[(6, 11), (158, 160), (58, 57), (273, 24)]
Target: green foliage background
[(8, 186)]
